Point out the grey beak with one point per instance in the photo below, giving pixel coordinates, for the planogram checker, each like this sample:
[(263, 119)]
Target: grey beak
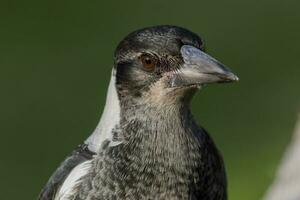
[(200, 68)]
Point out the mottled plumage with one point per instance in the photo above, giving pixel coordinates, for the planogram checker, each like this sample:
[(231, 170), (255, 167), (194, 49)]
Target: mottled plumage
[(155, 149)]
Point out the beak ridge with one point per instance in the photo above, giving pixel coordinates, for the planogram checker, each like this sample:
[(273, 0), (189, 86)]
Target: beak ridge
[(200, 68)]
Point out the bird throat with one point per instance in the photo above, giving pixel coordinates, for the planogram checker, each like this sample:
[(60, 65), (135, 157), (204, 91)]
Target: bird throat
[(156, 133)]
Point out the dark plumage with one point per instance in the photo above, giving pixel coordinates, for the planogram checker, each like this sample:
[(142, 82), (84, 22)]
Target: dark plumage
[(154, 149)]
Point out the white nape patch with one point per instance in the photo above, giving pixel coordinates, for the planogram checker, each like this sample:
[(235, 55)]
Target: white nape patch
[(109, 119), (72, 180)]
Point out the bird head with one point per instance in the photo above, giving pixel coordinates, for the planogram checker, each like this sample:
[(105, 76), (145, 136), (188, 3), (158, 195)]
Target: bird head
[(164, 64)]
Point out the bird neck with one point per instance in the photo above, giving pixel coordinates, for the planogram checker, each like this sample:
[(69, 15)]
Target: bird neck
[(160, 117), (157, 128), (161, 111), (160, 138)]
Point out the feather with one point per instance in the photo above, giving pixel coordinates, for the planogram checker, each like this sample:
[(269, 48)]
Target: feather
[(109, 120), (73, 179)]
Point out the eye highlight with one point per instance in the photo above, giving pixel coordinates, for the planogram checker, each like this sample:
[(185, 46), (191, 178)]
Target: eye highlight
[(148, 62)]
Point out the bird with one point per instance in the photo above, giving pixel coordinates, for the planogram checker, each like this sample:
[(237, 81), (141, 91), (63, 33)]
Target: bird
[(147, 144)]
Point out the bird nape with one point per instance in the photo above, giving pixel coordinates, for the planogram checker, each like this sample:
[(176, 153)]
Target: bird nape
[(147, 144)]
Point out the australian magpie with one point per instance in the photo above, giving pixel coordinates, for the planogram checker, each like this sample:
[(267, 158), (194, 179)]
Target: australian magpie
[(147, 144)]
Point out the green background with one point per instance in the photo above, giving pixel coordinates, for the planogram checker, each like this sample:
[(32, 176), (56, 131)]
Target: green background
[(55, 63)]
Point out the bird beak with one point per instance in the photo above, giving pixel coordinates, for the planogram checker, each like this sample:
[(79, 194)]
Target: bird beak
[(200, 68)]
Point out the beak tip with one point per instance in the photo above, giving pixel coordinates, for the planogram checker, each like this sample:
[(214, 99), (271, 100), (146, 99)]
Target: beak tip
[(235, 78), (230, 77)]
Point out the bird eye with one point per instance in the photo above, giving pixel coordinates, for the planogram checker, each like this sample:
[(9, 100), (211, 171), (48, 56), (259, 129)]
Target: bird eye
[(148, 62)]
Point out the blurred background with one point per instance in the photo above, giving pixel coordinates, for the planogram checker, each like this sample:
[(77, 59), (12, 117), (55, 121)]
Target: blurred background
[(55, 64)]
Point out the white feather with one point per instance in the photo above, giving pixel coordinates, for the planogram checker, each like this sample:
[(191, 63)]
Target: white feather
[(67, 189), (110, 118)]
